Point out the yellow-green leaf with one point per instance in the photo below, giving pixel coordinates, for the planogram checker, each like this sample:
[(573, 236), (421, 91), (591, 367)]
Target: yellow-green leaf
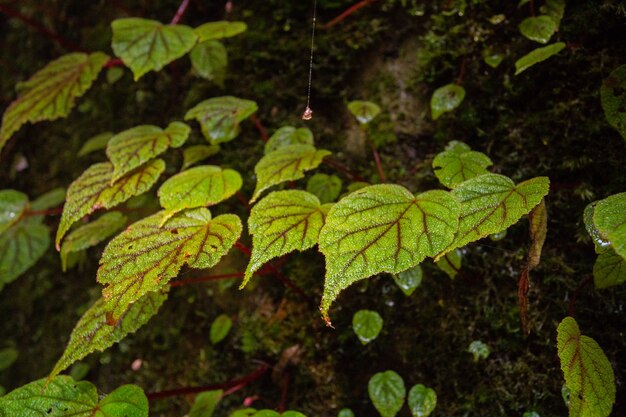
[(383, 228), (51, 93), (93, 190), (609, 217), (95, 143), (289, 135), (283, 222), (538, 28), (209, 60), (587, 370), (148, 253), (613, 98), (219, 117), (147, 45), (325, 187), (536, 56), (364, 111), (220, 328), (134, 147), (12, 206), (286, 164), (459, 163), (609, 269), (219, 30), (446, 99), (93, 332)]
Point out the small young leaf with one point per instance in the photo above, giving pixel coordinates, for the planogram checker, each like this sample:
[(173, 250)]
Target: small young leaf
[(383, 228), (588, 373), (445, 99), (450, 263), (12, 205), (219, 117), (539, 29), (479, 350), (345, 412), (7, 357), (197, 153), (52, 92), (53, 198), (93, 333), (21, 246), (134, 147), (220, 328), (555, 9), (201, 186), (289, 135), (325, 187), (146, 255), (387, 392), (536, 56), (609, 217), (147, 45), (205, 403), (219, 30), (91, 234), (280, 223), (95, 143), (422, 400), (367, 325), (491, 58), (613, 98), (93, 190), (459, 163), (209, 60), (408, 281), (364, 111), (609, 269)]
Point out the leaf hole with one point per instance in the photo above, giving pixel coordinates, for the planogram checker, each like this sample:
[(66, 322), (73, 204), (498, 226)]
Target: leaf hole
[(174, 231), (49, 410)]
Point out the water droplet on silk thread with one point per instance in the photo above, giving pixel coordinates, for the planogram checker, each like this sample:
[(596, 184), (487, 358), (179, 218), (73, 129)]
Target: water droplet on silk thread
[(308, 113)]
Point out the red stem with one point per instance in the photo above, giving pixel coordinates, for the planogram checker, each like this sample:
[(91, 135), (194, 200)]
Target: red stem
[(180, 12), (348, 12), (114, 62), (259, 126), (459, 79), (342, 168), (198, 280), (379, 165), (48, 212), (240, 383), (283, 394)]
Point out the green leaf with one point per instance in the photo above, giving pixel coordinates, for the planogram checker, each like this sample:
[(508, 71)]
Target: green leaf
[(7, 357), (201, 186), (52, 198), (555, 9), (79, 371), (219, 30), (20, 247), (220, 328), (52, 92), (459, 163), (531, 414), (209, 60), (364, 111), (613, 98), (609, 217), (422, 400), (95, 143), (345, 412), (205, 403), (286, 164), (95, 333), (536, 56), (219, 117), (283, 222), (146, 255), (91, 234), (114, 74), (289, 135), (492, 58), (450, 263), (134, 147), (62, 397), (387, 392), (12, 205), (325, 187), (246, 412), (609, 269), (588, 373), (197, 153), (539, 29), (490, 203), (479, 350), (383, 228), (367, 325), (445, 99), (147, 45), (408, 281), (93, 190)]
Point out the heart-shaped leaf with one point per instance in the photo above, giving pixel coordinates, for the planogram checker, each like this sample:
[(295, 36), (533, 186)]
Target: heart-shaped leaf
[(201, 186), (539, 29), (609, 218), (286, 164), (613, 98), (289, 135), (12, 205), (93, 190), (445, 99), (197, 153), (422, 400), (588, 373), (364, 111), (536, 56), (367, 325), (219, 117), (91, 234), (146, 255), (220, 328), (147, 45), (209, 60), (220, 30), (283, 222), (52, 92), (383, 228), (459, 163), (134, 147), (609, 269), (408, 281), (387, 392), (93, 333), (325, 187)]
